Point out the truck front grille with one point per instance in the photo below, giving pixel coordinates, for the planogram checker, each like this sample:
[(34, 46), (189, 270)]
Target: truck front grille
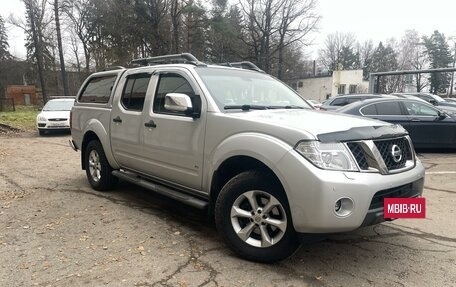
[(385, 147), (358, 153), (57, 120), (385, 156)]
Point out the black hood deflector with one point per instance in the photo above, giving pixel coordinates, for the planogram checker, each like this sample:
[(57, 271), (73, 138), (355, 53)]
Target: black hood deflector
[(364, 133)]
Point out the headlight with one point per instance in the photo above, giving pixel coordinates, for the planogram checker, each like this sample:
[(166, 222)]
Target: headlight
[(41, 119), (332, 156)]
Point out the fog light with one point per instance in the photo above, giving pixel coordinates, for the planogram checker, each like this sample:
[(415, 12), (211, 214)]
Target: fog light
[(338, 205), (344, 206)]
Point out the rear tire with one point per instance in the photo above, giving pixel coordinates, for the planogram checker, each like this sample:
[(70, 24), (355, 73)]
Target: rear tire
[(253, 215), (98, 170)]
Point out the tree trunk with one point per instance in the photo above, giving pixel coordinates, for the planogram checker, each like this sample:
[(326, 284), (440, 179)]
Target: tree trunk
[(38, 49), (87, 57), (59, 43)]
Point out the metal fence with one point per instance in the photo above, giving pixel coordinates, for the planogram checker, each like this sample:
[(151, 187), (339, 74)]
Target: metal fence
[(7, 105)]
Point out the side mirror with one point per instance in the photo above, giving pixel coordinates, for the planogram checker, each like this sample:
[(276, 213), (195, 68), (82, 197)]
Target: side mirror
[(432, 101), (442, 115), (178, 102)]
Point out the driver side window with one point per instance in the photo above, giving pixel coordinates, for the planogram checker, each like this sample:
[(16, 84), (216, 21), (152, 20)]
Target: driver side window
[(419, 109), (171, 83)]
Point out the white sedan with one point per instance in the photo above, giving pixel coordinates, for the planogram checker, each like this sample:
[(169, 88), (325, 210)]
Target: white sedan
[(55, 115)]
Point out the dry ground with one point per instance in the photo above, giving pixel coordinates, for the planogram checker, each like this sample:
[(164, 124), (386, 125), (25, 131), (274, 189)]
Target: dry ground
[(56, 231)]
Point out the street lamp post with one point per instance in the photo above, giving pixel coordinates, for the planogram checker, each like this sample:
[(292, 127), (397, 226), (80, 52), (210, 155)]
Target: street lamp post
[(452, 74)]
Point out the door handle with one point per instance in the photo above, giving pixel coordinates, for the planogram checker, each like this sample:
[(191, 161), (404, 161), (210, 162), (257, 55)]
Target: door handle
[(150, 124), (117, 119), (416, 120)]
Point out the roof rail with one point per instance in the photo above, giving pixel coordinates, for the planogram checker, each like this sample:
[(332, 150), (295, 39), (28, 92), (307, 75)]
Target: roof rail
[(110, 68), (243, 65), (185, 58)]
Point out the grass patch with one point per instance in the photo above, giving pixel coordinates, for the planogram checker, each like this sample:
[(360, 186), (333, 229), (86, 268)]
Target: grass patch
[(23, 118)]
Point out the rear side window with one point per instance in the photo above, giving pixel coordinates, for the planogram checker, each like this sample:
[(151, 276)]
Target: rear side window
[(339, 102), (134, 92), (353, 100), (389, 109), (369, 110), (98, 90)]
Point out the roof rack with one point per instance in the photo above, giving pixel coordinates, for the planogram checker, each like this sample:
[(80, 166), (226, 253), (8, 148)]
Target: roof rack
[(110, 68), (185, 58), (243, 65)]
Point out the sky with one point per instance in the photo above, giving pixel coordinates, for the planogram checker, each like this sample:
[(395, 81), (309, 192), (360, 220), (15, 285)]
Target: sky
[(378, 20)]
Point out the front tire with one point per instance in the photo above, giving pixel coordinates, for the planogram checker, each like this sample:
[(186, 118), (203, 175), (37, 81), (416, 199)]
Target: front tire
[(253, 215), (98, 170), (41, 132)]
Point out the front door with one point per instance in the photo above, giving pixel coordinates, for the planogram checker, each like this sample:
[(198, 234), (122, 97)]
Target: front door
[(427, 128), (174, 142)]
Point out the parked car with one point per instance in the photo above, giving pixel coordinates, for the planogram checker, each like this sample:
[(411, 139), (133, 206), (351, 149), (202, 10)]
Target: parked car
[(407, 96), (428, 126), (433, 99), (54, 116), (244, 147), (335, 103)]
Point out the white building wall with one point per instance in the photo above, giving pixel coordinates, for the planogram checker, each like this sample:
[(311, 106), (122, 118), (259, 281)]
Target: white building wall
[(347, 78), (321, 88), (315, 88)]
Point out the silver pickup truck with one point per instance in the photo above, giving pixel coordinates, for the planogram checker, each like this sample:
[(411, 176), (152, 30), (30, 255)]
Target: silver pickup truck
[(245, 147)]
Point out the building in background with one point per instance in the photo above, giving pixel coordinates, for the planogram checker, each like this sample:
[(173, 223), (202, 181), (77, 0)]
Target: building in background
[(22, 95), (321, 87)]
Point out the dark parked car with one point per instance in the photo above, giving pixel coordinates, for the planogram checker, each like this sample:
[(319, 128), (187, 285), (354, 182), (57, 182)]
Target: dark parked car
[(428, 126), (433, 99), (335, 103)]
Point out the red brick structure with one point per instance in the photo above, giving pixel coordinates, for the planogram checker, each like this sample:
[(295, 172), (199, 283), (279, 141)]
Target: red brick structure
[(22, 95)]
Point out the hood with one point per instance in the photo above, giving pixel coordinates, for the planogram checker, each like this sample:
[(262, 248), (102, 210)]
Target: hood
[(55, 114), (311, 121)]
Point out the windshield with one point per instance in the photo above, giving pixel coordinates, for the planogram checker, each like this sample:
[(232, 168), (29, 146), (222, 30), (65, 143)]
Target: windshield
[(238, 89), (58, 106)]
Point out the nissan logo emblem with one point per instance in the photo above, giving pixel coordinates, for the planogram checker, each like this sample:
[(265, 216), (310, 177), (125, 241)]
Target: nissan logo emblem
[(396, 153)]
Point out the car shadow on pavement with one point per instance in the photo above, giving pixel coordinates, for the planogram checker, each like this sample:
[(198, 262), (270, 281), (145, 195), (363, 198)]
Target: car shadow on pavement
[(51, 134)]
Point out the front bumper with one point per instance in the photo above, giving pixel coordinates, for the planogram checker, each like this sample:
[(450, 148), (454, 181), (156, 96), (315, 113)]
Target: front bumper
[(53, 125), (313, 192)]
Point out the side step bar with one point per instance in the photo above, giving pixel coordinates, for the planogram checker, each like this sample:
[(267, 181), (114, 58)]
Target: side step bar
[(171, 193)]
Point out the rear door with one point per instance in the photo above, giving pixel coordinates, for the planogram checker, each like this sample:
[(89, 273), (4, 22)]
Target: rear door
[(127, 118)]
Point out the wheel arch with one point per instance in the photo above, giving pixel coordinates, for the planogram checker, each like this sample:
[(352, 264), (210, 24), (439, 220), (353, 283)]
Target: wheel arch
[(96, 131), (246, 152)]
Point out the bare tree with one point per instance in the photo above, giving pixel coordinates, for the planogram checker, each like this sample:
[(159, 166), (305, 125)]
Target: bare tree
[(330, 54), (78, 13), (297, 20), (415, 57), (35, 14), (366, 51), (272, 25), (75, 49), (59, 43), (175, 13)]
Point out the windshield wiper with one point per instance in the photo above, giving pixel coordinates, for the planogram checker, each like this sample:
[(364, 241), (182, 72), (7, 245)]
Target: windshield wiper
[(245, 107), (286, 107)]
